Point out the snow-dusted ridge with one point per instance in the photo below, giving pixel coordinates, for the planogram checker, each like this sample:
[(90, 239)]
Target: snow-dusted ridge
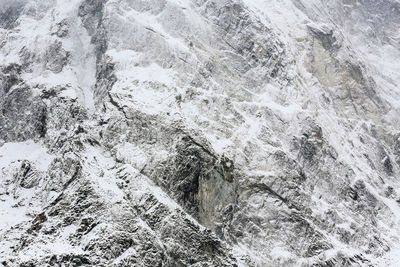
[(199, 133)]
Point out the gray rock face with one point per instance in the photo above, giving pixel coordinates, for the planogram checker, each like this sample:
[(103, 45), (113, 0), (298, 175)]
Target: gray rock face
[(23, 116), (10, 76), (199, 133), (91, 12), (56, 57), (10, 12)]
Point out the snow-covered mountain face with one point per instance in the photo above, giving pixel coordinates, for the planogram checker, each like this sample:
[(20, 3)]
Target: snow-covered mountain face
[(199, 133)]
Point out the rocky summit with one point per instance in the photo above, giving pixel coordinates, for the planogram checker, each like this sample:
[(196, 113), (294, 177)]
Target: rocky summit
[(199, 133)]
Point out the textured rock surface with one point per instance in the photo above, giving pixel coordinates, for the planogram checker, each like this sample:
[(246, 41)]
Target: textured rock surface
[(199, 133)]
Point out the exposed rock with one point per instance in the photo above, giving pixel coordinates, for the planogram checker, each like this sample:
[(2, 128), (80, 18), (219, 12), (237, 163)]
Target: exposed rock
[(23, 116), (10, 76), (199, 133), (10, 12), (62, 28), (56, 57)]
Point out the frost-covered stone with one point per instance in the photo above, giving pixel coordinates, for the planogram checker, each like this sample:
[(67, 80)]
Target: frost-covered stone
[(199, 133)]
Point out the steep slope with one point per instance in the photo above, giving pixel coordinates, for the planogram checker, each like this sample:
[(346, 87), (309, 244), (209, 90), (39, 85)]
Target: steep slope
[(199, 133)]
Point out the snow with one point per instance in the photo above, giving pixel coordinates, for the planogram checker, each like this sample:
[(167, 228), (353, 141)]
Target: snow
[(146, 87), (151, 22), (124, 255), (12, 211), (84, 64), (98, 171), (28, 150), (82, 68), (283, 16), (278, 252), (58, 247), (131, 154), (392, 258), (153, 72), (128, 71), (144, 82), (79, 76), (218, 144)]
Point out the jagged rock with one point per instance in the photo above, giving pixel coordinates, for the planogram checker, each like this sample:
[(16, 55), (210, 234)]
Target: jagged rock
[(199, 133), (27, 177), (9, 13), (62, 29), (56, 57), (23, 115), (326, 35), (9, 77)]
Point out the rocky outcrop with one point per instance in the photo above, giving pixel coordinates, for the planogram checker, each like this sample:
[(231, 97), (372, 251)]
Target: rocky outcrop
[(92, 12), (198, 133), (17, 106)]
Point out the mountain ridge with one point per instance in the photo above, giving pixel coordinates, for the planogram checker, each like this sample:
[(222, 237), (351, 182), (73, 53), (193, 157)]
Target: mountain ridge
[(199, 133)]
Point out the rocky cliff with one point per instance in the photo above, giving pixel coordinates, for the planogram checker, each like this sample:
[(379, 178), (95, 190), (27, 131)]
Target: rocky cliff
[(199, 133)]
